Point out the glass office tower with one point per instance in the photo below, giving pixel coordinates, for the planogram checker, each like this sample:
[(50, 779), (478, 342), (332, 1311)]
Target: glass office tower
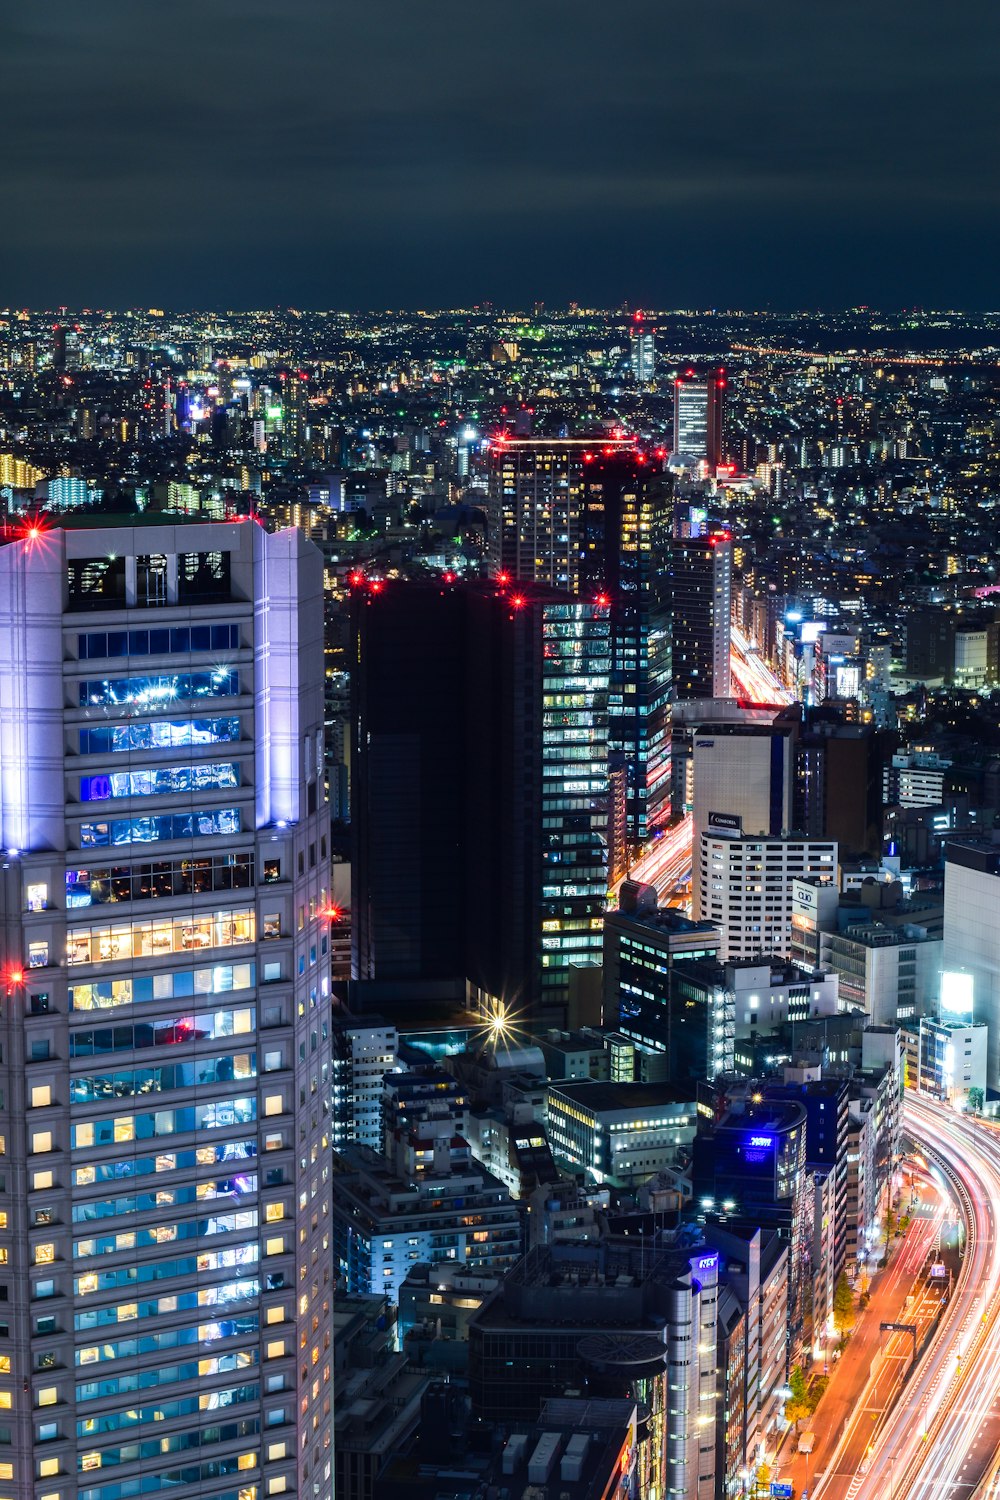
[(165, 1297)]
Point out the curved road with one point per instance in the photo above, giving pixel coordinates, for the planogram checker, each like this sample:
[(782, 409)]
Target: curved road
[(939, 1441)]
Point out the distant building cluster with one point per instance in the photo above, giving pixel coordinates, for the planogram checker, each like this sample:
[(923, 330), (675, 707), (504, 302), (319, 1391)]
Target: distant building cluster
[(524, 793)]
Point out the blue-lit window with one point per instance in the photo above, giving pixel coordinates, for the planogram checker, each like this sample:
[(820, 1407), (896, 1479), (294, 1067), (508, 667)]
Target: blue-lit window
[(231, 1396), (218, 1115), (158, 734), (204, 823), (225, 1191), (99, 885), (166, 641), (191, 1475), (147, 694), (219, 979), (226, 1294), (242, 1222), (126, 1083), (156, 781), (169, 1033), (147, 1380), (152, 1343), (169, 1161)]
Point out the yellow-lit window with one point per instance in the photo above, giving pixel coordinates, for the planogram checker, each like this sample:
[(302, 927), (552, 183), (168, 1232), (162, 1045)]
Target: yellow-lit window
[(274, 1211), (90, 1461), (275, 1349), (247, 1461), (41, 1094), (6, 1471), (41, 1140), (44, 1255), (6, 1400), (275, 1246), (124, 1128), (272, 1104), (48, 1467), (47, 1396), (277, 1450), (276, 1315), (42, 1180), (277, 1485)]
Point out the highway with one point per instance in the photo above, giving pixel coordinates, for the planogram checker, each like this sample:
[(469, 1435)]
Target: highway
[(939, 1441), (752, 678), (666, 861)]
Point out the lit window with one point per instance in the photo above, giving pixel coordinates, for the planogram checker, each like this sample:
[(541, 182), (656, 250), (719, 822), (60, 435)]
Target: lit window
[(274, 1211), (277, 1450), (38, 954), (37, 897), (273, 1104), (48, 1395), (42, 1180), (41, 1140), (44, 1255), (41, 1094), (275, 1349), (275, 1246), (50, 1466)]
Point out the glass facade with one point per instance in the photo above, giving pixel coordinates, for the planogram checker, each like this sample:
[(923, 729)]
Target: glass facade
[(147, 694), (576, 660), (173, 1140), (204, 823), (158, 781), (158, 734), (98, 645)]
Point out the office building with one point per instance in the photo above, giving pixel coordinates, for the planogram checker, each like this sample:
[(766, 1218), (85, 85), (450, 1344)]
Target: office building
[(743, 886), (744, 777), (615, 1321), (624, 558), (755, 996), (972, 935), (364, 1051), (753, 1274), (166, 1049), (379, 1391), (953, 1061), (750, 1165), (535, 505), (702, 577), (624, 1131), (642, 351), (699, 402), (892, 973), (641, 947), (479, 764), (384, 1223)]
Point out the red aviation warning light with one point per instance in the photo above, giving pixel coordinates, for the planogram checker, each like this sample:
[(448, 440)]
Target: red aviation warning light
[(356, 579), (517, 601), (503, 579)]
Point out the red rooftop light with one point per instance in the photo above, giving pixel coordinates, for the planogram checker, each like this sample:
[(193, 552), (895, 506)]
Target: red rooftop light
[(517, 601)]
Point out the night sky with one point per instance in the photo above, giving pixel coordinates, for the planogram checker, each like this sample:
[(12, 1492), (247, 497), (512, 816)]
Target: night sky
[(401, 153)]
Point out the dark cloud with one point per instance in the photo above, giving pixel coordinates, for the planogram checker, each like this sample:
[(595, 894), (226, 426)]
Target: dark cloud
[(339, 153)]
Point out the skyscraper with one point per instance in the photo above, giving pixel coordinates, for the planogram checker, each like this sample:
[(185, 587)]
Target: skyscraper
[(698, 417), (642, 349), (164, 1220), (702, 609), (625, 558), (479, 718), (535, 505)]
